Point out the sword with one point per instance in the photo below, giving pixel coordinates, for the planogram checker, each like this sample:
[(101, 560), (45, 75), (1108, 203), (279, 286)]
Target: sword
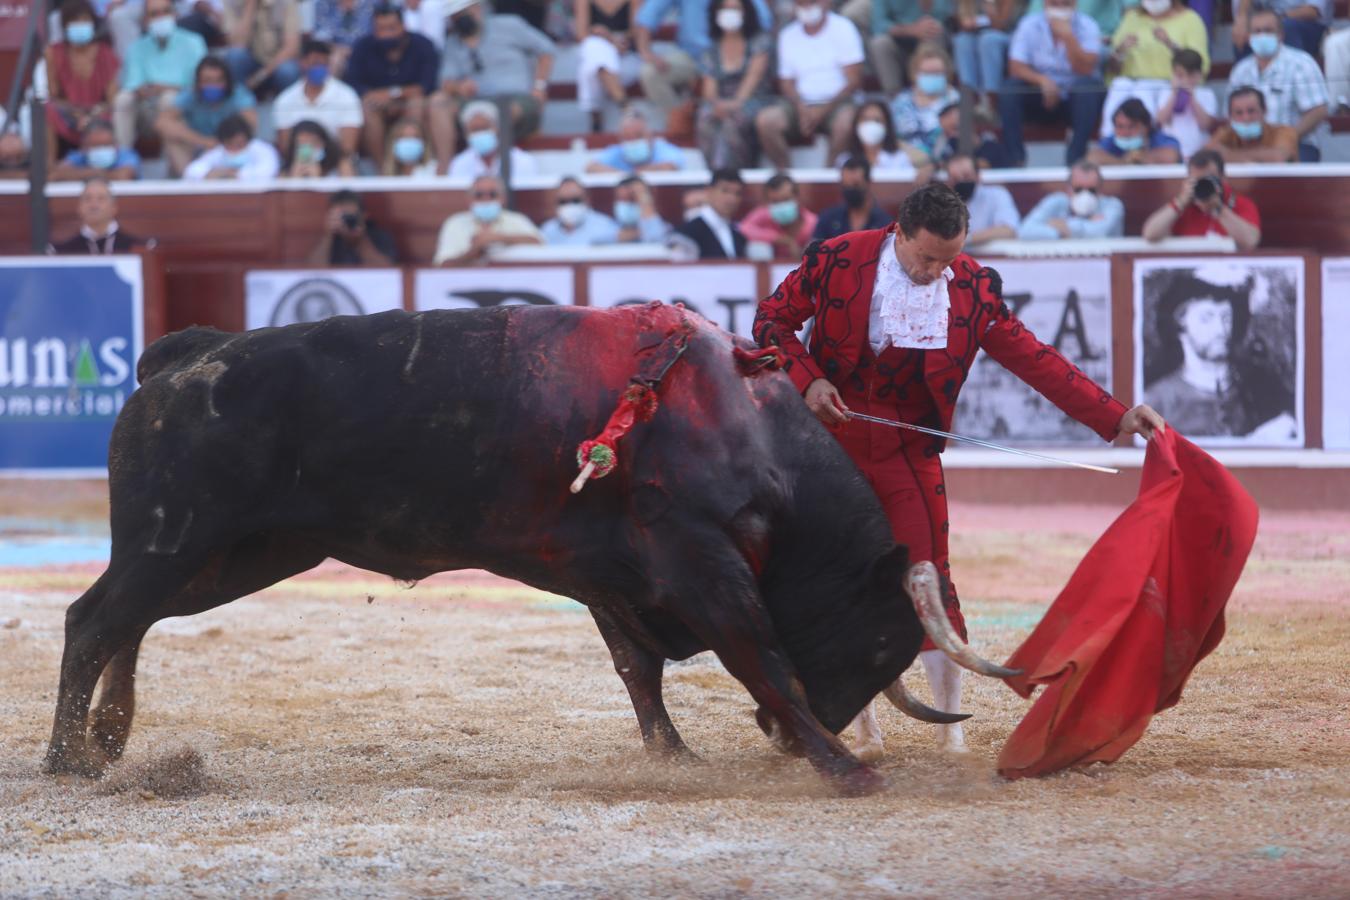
[(990, 444)]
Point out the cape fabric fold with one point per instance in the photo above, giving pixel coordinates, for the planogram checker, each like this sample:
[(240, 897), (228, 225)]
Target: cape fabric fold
[(1142, 609)]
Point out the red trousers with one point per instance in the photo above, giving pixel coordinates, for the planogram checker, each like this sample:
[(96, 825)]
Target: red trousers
[(902, 466)]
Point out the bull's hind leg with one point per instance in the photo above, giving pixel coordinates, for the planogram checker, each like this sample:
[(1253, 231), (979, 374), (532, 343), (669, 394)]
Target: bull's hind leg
[(641, 671), (111, 719)]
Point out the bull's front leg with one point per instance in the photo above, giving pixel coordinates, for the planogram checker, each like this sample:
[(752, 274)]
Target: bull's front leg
[(641, 671)]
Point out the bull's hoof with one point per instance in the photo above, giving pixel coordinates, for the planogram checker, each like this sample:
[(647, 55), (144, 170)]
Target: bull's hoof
[(85, 762), (951, 739), (860, 781), (870, 753)]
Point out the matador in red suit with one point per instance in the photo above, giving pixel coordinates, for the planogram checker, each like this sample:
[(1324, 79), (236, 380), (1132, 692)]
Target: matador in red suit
[(899, 314)]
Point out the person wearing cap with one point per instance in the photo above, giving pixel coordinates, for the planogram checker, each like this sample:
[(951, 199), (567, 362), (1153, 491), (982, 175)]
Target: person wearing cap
[(480, 121)]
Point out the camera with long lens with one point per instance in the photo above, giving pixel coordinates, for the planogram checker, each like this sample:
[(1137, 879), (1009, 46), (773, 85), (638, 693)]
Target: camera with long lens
[(1208, 187)]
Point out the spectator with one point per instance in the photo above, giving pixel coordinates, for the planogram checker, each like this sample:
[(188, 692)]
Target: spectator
[(735, 84), (1052, 76), (13, 156), (427, 18), (874, 140), (1207, 205), (638, 150), (408, 154), (1189, 111), (493, 57), (264, 38), (350, 237), (313, 153), (238, 155), (1302, 24), (1248, 137), (1142, 51), (574, 221), (99, 156), (99, 234), (820, 58), (201, 17), (1296, 93), (1135, 140), (915, 110), (943, 145), (980, 45), (188, 127), (781, 221), (480, 121), (670, 75), (466, 237), (858, 211), (341, 23), (1336, 53), (394, 73), (993, 214), (320, 96), (898, 28), (81, 76), (1105, 13), (1082, 211), (713, 230), (608, 63), (161, 63), (635, 211)]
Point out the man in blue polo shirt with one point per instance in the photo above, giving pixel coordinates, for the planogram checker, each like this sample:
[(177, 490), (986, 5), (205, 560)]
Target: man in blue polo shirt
[(99, 156), (638, 150)]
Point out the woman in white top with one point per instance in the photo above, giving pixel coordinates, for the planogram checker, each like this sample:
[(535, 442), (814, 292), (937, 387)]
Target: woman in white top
[(408, 153), (239, 155), (873, 138)]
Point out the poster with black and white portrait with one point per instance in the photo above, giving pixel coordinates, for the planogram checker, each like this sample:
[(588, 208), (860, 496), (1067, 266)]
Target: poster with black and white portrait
[(275, 297), (1219, 347)]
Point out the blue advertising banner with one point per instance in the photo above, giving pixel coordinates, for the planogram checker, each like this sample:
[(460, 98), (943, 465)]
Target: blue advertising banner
[(70, 334)]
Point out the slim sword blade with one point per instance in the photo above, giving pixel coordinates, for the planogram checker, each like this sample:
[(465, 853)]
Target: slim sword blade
[(990, 444)]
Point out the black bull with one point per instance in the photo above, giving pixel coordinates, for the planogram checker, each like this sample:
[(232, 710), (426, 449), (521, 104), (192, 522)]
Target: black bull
[(413, 444)]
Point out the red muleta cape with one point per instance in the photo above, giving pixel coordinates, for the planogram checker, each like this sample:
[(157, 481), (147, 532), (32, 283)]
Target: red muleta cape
[(1140, 612)]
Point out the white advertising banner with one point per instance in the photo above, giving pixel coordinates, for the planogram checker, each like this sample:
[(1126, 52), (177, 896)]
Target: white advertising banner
[(1067, 304), (284, 297), (486, 287), (1219, 347), (1336, 353), (725, 294)]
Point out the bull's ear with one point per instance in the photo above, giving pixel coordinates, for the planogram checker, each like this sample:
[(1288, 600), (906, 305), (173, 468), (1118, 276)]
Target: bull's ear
[(888, 573)]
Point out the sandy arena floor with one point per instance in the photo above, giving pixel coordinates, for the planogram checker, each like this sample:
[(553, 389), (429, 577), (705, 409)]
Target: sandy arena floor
[(339, 735)]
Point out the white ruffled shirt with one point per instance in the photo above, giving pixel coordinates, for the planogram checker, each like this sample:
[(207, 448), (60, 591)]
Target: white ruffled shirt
[(905, 314)]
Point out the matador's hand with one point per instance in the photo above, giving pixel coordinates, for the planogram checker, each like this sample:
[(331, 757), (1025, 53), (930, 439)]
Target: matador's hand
[(823, 400), (1143, 419)]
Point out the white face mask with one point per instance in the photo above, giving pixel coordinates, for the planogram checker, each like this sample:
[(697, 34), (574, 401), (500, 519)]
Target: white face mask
[(1059, 12), (810, 15), (871, 132), (571, 214), (1083, 204), (730, 19), (1155, 7)]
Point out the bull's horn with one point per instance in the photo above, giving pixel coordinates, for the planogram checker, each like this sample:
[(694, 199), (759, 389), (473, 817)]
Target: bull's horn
[(921, 582), (904, 701)]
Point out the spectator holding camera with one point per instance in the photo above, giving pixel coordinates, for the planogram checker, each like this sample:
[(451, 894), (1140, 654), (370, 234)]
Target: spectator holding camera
[(350, 237), (1248, 137), (1135, 140), (1207, 205)]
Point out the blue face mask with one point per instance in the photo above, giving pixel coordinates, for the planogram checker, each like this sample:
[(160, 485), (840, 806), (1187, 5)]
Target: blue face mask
[(637, 152), (486, 210), (409, 150), (627, 213), (1265, 45), (483, 142), (80, 33), (784, 212), (931, 83), (316, 75), (1128, 144), (162, 28), (1248, 131), (212, 93), (236, 160), (101, 157)]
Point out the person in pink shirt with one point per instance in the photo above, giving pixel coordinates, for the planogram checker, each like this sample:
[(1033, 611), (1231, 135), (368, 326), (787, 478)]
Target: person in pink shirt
[(780, 221)]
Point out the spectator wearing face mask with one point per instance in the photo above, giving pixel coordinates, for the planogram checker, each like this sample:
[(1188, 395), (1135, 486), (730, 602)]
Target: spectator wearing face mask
[(1303, 24), (99, 234), (713, 228), (264, 43), (1295, 91), (874, 139), (394, 72), (574, 222), (350, 237), (159, 64), (98, 156), (480, 120), (1207, 205), (314, 154), (781, 221), (638, 149), (1248, 137), (408, 154), (1189, 111), (915, 110), (188, 127), (635, 212), (13, 156), (1106, 14), (899, 27), (859, 211), (993, 214), (237, 155), (736, 84), (467, 237), (1135, 141), (81, 76), (320, 96), (1143, 50), (1082, 211)]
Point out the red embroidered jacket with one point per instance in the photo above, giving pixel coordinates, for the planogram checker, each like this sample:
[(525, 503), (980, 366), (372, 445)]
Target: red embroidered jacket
[(834, 283)]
